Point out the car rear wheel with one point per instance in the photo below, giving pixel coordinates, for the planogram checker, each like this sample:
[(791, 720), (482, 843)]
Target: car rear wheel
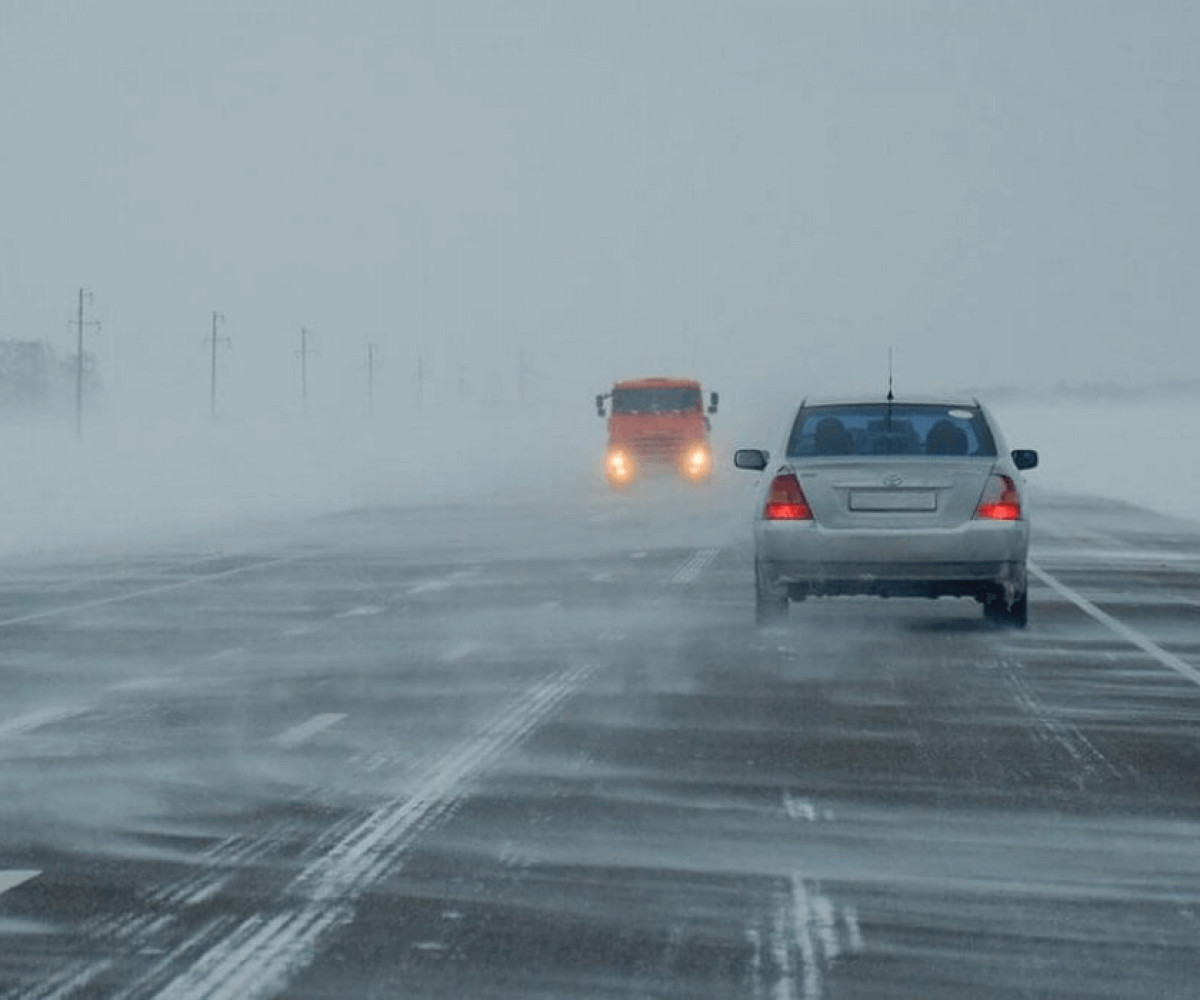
[(1015, 615), (770, 605)]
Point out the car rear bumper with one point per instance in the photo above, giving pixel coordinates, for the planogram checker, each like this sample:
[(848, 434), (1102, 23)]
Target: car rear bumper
[(976, 559)]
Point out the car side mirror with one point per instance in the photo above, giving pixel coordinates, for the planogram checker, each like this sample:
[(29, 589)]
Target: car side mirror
[(599, 406), (1025, 458), (713, 400), (753, 459)]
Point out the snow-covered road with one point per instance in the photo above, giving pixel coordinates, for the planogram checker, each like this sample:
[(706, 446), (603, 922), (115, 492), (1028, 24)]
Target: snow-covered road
[(414, 751)]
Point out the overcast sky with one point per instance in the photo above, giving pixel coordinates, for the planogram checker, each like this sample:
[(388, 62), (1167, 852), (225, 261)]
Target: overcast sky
[(998, 190)]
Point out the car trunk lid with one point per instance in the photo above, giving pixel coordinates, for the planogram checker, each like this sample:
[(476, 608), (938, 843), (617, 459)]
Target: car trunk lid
[(893, 492)]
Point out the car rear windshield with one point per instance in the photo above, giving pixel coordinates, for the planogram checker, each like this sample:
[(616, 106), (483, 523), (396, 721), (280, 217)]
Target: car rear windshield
[(665, 400), (895, 429)]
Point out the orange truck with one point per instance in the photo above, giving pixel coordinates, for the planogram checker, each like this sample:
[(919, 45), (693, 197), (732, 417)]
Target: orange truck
[(656, 426)]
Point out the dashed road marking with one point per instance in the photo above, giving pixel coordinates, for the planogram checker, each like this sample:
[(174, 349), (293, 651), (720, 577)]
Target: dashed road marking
[(1124, 631), (306, 730), (365, 611), (101, 602), (461, 650), (38, 718), (12, 879), (442, 582), (804, 809)]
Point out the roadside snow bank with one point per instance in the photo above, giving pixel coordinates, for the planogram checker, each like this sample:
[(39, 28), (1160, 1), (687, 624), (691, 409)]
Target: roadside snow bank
[(128, 485), (1141, 452), (132, 485)]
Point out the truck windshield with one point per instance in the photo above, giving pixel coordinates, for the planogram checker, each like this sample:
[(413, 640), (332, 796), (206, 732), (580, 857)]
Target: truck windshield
[(665, 400)]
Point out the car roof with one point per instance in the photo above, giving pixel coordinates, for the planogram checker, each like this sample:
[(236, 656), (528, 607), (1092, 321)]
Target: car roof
[(922, 400)]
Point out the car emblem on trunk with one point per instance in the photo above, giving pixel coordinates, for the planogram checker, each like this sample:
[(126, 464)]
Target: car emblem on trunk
[(893, 480)]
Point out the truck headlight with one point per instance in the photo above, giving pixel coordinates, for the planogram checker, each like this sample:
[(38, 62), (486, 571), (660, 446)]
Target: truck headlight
[(698, 462), (619, 466)]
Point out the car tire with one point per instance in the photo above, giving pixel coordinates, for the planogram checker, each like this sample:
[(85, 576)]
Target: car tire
[(770, 606), (770, 610), (1015, 615)]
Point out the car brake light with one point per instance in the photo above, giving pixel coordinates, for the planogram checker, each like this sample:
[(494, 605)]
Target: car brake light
[(786, 501), (1000, 501)]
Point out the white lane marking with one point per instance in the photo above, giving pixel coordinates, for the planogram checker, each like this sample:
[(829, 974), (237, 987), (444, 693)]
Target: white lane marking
[(804, 809), (694, 566), (38, 718), (781, 953), (823, 932), (306, 730), (1124, 631), (807, 938), (442, 582), (101, 602), (363, 612), (12, 879), (461, 650), (149, 683), (854, 938), (259, 955)]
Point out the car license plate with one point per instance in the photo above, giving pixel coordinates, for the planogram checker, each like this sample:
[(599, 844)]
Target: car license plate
[(893, 500)]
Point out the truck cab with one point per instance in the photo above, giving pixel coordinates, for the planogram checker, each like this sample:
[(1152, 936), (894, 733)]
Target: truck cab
[(657, 426)]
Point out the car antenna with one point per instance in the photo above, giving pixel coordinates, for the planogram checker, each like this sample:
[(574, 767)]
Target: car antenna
[(890, 395)]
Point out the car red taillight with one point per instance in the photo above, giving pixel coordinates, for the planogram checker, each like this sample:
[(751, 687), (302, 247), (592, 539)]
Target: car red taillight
[(786, 501), (1000, 501)]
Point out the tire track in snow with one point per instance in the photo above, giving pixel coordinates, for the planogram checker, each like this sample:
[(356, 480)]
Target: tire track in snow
[(261, 953), (238, 958), (692, 567), (1055, 732)]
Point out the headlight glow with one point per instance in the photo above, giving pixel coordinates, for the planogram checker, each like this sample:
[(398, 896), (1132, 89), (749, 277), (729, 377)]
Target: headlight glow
[(619, 466), (698, 462)]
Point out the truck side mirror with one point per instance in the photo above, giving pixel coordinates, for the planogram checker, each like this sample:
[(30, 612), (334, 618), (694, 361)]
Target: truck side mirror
[(713, 400), (599, 406)]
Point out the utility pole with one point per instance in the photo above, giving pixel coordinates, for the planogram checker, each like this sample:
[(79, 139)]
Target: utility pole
[(212, 405), (304, 369), (84, 294), (522, 379), (370, 377)]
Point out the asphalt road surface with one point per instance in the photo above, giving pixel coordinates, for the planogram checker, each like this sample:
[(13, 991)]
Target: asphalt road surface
[(541, 751)]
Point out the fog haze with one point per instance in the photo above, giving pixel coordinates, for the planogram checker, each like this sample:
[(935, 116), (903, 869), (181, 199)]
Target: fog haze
[(515, 204), (999, 192)]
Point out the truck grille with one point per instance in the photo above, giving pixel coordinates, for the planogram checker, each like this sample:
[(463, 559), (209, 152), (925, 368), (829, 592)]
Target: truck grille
[(658, 447)]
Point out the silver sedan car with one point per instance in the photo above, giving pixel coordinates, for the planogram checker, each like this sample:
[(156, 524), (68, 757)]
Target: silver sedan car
[(912, 498)]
